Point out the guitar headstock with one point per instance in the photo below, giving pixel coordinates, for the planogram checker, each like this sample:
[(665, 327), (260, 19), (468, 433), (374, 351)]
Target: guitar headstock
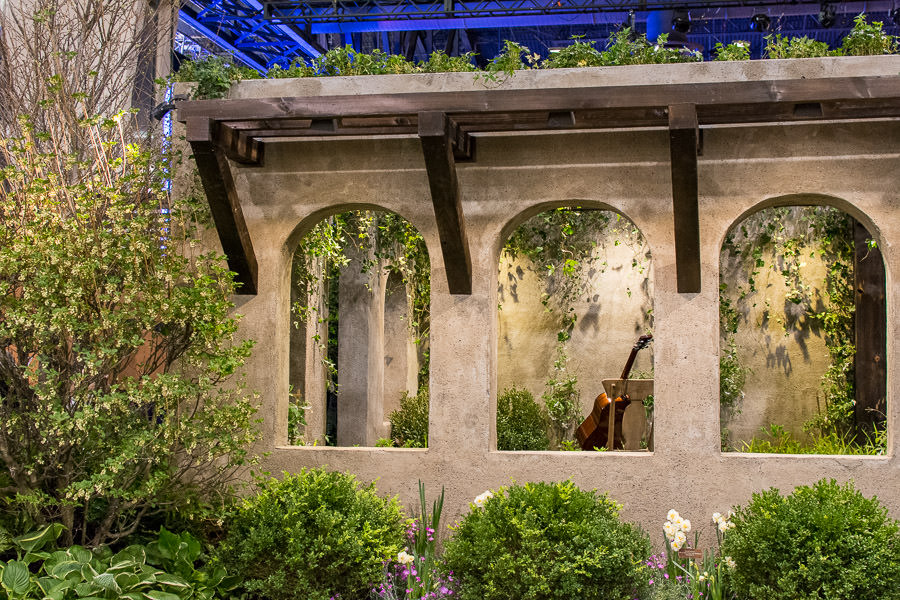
[(643, 342)]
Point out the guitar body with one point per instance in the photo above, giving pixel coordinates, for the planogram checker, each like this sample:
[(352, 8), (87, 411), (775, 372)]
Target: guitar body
[(593, 432)]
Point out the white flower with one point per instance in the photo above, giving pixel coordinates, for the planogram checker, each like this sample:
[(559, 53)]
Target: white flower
[(676, 545), (717, 518), (670, 529), (725, 525), (729, 562), (673, 515), (405, 558), (685, 525), (483, 498)]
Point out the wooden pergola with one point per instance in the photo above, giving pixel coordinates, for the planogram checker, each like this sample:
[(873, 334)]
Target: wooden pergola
[(238, 130)]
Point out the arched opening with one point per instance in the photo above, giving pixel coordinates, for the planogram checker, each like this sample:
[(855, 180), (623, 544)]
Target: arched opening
[(802, 315), (575, 293), (360, 300)]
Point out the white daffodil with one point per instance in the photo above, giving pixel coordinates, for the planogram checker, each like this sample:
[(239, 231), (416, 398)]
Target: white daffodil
[(717, 518), (670, 529), (404, 558), (673, 515), (685, 525), (680, 537), (729, 562)]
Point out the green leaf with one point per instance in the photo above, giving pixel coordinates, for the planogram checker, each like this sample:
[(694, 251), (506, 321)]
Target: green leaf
[(107, 581), (60, 570), (31, 542), (172, 580), (16, 578), (156, 595)]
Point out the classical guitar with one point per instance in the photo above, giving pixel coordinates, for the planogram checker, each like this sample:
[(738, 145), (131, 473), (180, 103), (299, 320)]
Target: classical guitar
[(594, 431)]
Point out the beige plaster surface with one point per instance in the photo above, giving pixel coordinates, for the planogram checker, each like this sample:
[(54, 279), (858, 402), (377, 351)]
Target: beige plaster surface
[(852, 166)]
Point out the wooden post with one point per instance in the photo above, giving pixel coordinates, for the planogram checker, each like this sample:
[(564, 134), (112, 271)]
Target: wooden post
[(871, 332)]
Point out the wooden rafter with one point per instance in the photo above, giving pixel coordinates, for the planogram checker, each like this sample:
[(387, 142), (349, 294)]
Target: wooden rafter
[(224, 205), (684, 145), (439, 136)]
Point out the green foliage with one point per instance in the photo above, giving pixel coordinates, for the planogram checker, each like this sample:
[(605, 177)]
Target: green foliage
[(514, 57), (214, 75), (781, 240), (409, 423), (627, 49), (823, 541), (868, 39), (576, 54), (737, 50), (778, 440), (169, 568), (115, 347), (311, 536), (440, 62), (521, 425), (296, 418), (779, 46), (547, 540), (389, 243), (561, 398)]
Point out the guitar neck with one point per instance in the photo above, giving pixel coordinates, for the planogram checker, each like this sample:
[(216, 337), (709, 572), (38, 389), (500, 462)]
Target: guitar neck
[(641, 343)]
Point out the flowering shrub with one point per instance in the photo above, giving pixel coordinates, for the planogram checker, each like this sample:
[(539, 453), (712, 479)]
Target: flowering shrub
[(312, 536), (821, 541), (547, 540)]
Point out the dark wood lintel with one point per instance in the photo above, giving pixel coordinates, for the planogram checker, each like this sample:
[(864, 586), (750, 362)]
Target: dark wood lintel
[(684, 139)]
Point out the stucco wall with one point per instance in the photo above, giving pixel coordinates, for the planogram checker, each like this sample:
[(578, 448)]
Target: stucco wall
[(850, 165)]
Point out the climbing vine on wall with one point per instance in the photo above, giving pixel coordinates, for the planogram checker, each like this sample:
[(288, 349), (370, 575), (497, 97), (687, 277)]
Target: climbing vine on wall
[(388, 242), (564, 246), (782, 240)]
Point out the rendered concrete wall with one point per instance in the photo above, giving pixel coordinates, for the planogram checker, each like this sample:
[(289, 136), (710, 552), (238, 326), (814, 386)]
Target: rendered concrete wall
[(852, 166)]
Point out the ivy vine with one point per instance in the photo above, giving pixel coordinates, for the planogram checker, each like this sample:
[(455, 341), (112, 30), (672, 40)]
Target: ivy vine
[(563, 245), (789, 236), (390, 243)]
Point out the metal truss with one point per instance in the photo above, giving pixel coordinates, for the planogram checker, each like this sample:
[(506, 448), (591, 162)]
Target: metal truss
[(260, 33)]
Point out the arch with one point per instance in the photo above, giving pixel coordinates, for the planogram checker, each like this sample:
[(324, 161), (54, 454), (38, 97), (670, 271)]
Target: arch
[(611, 305), (348, 330), (818, 295)]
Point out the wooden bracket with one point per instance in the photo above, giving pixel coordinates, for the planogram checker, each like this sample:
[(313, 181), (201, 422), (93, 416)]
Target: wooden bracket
[(218, 183), (684, 145), (437, 134)]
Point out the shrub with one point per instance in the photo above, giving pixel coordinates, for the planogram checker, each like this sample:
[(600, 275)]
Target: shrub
[(547, 540), (824, 541), (409, 423), (521, 425), (120, 394), (779, 46), (312, 536)]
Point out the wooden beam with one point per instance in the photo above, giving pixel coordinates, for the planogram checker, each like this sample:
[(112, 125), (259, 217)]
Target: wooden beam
[(737, 99), (871, 332), (218, 183), (437, 135), (684, 140)]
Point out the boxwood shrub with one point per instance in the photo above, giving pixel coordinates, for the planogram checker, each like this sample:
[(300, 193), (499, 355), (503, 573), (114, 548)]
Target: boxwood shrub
[(521, 425), (311, 536), (824, 541), (547, 540)]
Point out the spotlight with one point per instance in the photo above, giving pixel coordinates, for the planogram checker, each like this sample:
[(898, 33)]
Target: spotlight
[(681, 23), (895, 15), (827, 16), (760, 22)]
